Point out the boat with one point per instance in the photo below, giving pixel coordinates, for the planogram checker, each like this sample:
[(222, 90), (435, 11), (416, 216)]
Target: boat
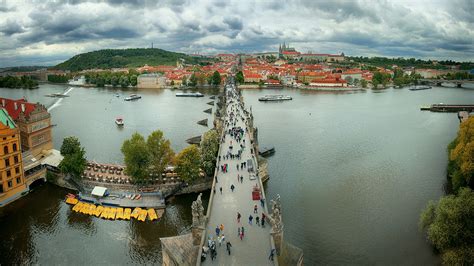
[(419, 88), (271, 98), (119, 121), (126, 213), (117, 95), (136, 212), (57, 95), (132, 97), (142, 215), (119, 214), (266, 151), (152, 214), (189, 94)]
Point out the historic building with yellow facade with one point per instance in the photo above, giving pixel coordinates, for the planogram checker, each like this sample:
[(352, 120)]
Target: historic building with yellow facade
[(12, 180)]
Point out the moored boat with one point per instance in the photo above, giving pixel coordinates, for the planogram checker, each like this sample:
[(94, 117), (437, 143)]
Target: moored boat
[(119, 121), (189, 94), (270, 98), (133, 97), (419, 88)]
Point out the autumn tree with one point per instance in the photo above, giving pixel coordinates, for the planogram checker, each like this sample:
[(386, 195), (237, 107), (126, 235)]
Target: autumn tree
[(159, 151), (188, 162), (461, 156)]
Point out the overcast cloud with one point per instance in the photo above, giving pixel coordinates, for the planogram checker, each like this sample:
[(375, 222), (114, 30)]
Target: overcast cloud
[(47, 32)]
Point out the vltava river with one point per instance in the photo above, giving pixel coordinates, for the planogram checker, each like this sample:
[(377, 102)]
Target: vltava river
[(353, 170)]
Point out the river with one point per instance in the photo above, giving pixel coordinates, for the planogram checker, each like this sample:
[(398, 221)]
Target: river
[(353, 170)]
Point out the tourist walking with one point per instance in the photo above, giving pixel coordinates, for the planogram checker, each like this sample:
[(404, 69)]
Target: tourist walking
[(272, 253), (242, 233), (241, 179), (263, 219), (257, 220), (228, 244), (238, 217), (250, 219), (222, 228), (219, 239), (220, 190), (218, 231), (232, 187), (262, 202), (255, 209)]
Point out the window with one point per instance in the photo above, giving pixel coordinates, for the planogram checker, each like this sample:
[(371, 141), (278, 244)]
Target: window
[(17, 170), (10, 184), (18, 181), (7, 162), (5, 149), (9, 173), (14, 147), (15, 159)]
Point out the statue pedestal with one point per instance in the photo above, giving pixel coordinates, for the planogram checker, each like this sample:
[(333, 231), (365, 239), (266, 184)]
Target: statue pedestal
[(278, 239), (197, 234)]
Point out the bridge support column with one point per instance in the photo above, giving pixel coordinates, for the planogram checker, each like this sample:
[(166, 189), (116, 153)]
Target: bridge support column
[(278, 239)]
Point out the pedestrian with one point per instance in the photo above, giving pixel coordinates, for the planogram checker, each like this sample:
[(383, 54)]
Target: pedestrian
[(257, 220), (272, 253), (218, 231), (263, 219), (232, 187), (262, 202), (255, 209), (220, 240), (241, 179), (216, 179), (222, 228), (214, 190), (220, 190), (250, 219), (223, 238), (242, 233), (238, 217), (228, 244)]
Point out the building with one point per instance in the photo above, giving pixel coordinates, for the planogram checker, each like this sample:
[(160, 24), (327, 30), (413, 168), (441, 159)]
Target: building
[(12, 181), (225, 57), (34, 122), (287, 52), (251, 77), (151, 81), (333, 82)]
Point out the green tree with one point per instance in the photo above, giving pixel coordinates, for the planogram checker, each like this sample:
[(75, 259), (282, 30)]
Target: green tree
[(239, 77), (136, 157), (215, 79), (209, 149), (450, 227), (160, 152), (187, 163), (192, 80), (74, 161), (114, 81), (363, 83), (124, 81), (133, 80)]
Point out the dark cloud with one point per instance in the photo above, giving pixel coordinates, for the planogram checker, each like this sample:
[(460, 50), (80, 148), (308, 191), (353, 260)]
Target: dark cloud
[(11, 27), (234, 23)]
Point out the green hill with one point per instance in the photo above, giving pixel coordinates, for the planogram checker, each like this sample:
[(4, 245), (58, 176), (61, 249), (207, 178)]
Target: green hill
[(114, 58)]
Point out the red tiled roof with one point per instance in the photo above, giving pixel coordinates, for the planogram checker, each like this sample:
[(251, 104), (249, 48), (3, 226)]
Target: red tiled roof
[(291, 52), (14, 112)]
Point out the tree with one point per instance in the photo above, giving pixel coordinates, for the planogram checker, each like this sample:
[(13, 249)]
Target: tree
[(193, 80), (136, 157), (209, 149), (187, 163), (349, 79), (450, 228), (461, 156), (239, 77), (133, 80), (160, 152), (215, 79), (363, 83), (124, 82), (114, 81), (74, 161)]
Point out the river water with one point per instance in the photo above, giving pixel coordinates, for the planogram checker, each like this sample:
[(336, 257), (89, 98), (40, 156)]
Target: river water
[(353, 170)]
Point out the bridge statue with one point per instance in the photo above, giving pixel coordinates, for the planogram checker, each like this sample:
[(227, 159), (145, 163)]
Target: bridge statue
[(277, 225), (198, 212)]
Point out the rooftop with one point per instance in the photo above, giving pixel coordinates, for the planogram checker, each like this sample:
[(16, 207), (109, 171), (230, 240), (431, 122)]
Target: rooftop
[(5, 119)]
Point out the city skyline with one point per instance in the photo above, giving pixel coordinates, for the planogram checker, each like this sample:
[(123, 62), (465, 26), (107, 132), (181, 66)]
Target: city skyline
[(47, 33)]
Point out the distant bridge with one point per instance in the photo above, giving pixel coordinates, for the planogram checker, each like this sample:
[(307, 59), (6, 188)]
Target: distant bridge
[(442, 82)]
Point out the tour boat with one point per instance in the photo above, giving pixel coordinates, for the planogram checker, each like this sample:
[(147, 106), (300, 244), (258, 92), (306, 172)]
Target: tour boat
[(269, 98), (419, 88), (189, 94), (133, 97), (119, 121)]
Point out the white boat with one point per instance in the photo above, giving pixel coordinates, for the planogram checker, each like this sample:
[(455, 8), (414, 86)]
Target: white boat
[(119, 121), (189, 94), (133, 97), (269, 98)]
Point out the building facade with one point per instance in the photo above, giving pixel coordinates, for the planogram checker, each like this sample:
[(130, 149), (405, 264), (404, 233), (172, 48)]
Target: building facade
[(12, 180), (34, 123), (151, 81)]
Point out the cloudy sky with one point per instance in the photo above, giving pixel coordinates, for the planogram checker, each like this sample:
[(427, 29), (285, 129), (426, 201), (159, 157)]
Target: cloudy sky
[(37, 32)]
